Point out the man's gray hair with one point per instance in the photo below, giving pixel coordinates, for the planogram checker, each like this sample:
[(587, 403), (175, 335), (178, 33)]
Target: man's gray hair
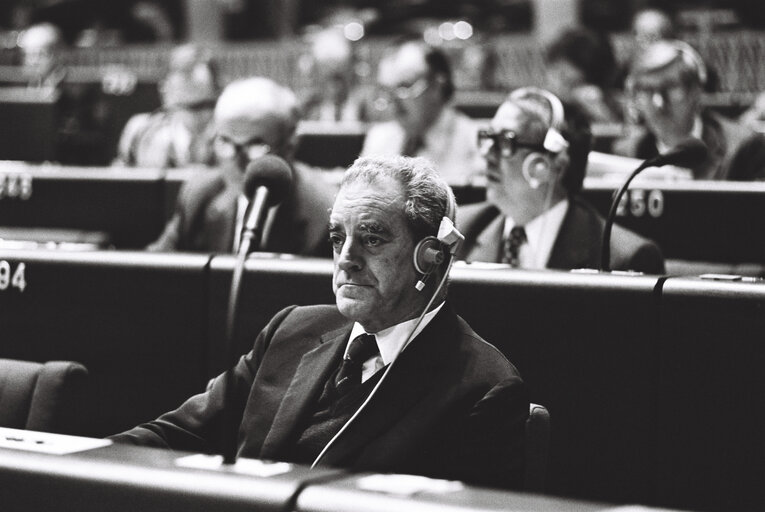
[(427, 197)]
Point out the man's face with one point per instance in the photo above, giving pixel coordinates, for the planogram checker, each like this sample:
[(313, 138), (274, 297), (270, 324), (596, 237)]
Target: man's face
[(372, 244), (667, 105), (240, 140), (506, 186), (414, 93)]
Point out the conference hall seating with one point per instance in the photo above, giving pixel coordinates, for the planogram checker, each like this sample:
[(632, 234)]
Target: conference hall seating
[(651, 381)]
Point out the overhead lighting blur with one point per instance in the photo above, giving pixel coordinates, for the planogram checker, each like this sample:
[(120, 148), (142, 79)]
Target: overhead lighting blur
[(446, 31), (463, 30), (353, 31)]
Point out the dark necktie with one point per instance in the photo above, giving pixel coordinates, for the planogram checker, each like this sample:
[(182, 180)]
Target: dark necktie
[(512, 246), (349, 376)]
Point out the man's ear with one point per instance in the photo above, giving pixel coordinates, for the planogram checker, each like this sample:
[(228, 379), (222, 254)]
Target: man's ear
[(538, 169)]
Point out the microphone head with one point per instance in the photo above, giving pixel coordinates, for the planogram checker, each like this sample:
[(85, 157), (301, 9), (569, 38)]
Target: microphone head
[(271, 172), (688, 153)]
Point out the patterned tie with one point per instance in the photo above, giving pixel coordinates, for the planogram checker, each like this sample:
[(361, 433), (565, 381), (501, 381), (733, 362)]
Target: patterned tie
[(512, 246), (362, 348)]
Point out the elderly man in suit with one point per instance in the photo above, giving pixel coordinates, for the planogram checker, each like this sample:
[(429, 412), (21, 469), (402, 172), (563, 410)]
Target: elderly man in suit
[(253, 117), (389, 379), (536, 157)]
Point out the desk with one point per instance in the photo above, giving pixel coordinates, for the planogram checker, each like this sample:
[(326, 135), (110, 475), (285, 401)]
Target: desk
[(129, 478), (717, 221), (127, 204)]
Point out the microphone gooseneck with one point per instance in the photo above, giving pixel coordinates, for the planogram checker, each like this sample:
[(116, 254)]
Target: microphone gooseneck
[(267, 181), (687, 153)]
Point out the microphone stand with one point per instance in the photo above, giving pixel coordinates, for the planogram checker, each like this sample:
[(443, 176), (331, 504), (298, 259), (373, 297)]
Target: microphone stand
[(605, 250), (229, 432)]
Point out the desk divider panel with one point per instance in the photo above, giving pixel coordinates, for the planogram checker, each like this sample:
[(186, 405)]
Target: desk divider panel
[(137, 321), (711, 413), (585, 344)]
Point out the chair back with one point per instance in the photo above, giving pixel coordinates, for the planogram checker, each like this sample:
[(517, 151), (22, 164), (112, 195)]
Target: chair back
[(46, 397)]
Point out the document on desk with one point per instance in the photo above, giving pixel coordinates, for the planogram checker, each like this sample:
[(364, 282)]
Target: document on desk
[(45, 442)]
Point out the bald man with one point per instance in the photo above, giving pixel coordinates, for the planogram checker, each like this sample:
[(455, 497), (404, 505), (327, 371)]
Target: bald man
[(417, 81), (253, 117)]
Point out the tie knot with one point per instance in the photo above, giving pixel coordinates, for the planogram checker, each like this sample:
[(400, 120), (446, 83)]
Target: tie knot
[(362, 348), (518, 235)]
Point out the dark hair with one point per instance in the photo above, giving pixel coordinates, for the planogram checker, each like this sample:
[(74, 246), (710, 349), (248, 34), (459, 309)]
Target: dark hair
[(588, 51), (577, 131)]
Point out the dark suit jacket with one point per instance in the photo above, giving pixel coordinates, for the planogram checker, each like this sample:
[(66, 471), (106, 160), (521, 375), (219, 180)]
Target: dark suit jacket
[(735, 151), (205, 217), (578, 244), (451, 407)]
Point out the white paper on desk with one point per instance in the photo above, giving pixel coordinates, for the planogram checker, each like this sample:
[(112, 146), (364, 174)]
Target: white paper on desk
[(407, 485), (252, 467), (44, 442)]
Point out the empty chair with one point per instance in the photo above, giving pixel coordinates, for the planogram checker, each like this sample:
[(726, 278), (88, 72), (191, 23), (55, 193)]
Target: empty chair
[(41, 396), (537, 448)]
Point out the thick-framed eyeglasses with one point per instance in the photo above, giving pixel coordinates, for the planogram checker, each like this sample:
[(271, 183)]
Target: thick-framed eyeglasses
[(226, 148), (504, 141)]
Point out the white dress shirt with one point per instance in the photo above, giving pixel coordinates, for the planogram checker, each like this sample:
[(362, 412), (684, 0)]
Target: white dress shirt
[(390, 341), (541, 233)]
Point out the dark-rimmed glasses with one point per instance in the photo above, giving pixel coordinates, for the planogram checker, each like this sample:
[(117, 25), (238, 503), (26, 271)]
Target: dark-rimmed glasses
[(504, 141)]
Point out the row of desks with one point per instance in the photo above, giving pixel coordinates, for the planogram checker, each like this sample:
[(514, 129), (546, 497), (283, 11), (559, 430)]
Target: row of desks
[(654, 384), (126, 478), (127, 208)]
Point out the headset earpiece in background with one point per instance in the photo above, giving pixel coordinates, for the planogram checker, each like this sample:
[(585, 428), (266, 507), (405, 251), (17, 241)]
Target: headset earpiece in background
[(536, 170), (432, 251), (554, 142)]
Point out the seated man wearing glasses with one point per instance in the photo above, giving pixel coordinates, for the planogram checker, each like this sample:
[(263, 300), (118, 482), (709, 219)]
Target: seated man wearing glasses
[(665, 84), (536, 156), (253, 117), (416, 80)]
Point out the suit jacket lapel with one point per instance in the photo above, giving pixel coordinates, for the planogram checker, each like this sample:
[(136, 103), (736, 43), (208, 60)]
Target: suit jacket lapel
[(577, 244), (488, 243), (310, 376), (409, 380)]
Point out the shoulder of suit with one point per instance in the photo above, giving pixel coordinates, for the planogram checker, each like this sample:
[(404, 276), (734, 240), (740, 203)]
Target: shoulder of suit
[(488, 356), (313, 320), (469, 214)]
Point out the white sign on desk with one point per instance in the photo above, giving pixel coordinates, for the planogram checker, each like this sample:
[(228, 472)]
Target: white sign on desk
[(44, 442)]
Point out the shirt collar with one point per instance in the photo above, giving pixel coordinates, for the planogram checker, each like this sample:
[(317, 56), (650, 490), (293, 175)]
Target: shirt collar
[(697, 131), (541, 233), (390, 341)]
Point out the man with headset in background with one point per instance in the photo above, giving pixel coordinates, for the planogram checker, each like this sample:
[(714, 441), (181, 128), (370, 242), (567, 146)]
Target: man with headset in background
[(253, 117), (389, 379), (665, 86), (536, 158)]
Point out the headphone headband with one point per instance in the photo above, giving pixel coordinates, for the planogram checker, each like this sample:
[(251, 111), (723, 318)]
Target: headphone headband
[(554, 141), (692, 57)]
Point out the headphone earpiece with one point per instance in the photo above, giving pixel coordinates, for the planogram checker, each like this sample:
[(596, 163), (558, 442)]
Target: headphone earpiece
[(432, 251)]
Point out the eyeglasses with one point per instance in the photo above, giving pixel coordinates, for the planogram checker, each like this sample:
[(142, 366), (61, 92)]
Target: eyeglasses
[(659, 95), (504, 141), (226, 148)]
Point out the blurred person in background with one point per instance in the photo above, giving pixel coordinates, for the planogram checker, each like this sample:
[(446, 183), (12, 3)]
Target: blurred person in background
[(417, 81), (335, 94), (536, 157), (180, 133), (253, 117), (81, 112), (581, 69), (754, 116), (665, 87)]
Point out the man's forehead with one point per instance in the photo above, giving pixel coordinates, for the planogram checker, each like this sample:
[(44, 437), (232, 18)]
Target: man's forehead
[(508, 117), (251, 125), (377, 198), (406, 65)]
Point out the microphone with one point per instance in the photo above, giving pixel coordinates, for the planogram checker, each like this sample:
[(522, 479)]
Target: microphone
[(688, 153), (267, 181)]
